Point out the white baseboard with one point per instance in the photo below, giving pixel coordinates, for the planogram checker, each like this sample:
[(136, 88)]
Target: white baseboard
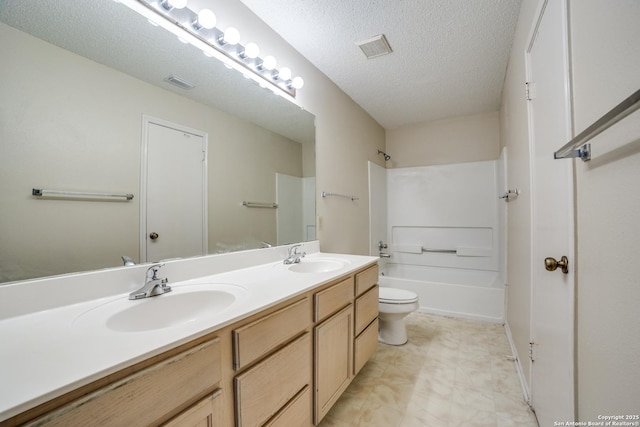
[(520, 372)]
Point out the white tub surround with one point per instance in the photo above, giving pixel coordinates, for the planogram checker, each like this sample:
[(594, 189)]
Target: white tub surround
[(469, 294), (445, 238), (44, 355)]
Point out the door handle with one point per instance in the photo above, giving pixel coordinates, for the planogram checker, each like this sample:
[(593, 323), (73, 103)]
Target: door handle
[(551, 264), (153, 235)]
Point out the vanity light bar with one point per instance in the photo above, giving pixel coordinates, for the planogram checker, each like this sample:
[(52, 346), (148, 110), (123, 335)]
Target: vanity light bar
[(213, 43)]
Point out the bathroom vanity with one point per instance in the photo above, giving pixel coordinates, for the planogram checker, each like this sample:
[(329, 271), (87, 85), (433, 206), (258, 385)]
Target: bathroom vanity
[(280, 354)]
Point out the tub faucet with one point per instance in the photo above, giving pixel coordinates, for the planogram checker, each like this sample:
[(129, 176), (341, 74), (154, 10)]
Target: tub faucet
[(294, 255), (385, 255), (153, 285)]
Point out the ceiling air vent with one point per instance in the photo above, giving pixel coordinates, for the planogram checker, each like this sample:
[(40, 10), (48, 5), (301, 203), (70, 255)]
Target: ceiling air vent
[(375, 46), (181, 83)]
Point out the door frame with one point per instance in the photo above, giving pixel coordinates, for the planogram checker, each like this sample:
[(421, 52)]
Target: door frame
[(570, 188), (146, 121)]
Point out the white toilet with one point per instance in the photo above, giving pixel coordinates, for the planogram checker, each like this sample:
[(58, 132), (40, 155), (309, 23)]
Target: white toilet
[(393, 306)]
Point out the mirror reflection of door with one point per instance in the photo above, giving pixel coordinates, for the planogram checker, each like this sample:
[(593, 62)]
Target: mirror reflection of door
[(174, 173)]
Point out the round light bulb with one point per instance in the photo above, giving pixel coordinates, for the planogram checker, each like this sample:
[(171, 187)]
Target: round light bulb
[(284, 74), (251, 50), (297, 82), (176, 4), (231, 36), (206, 19), (269, 62)]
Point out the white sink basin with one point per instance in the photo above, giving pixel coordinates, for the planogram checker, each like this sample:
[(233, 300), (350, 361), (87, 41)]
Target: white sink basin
[(185, 304), (317, 265)]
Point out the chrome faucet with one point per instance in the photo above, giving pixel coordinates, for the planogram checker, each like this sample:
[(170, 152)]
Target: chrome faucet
[(153, 285), (294, 255), (382, 245)]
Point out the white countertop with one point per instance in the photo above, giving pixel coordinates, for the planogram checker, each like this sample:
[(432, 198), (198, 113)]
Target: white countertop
[(43, 354)]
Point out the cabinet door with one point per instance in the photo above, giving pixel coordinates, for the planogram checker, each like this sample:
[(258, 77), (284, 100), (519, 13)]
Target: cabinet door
[(333, 360), (205, 413)]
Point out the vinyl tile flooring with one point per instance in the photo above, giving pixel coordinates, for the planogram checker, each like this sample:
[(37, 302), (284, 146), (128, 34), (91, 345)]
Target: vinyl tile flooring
[(451, 373)]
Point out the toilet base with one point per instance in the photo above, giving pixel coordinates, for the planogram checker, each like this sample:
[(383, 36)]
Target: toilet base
[(392, 329)]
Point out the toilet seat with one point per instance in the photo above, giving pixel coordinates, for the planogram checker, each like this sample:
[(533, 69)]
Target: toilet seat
[(396, 296)]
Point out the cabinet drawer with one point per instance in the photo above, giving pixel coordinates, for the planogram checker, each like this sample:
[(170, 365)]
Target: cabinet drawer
[(258, 338), (366, 279), (365, 345), (205, 413), (296, 413), (146, 396), (333, 299), (366, 309), (266, 387)]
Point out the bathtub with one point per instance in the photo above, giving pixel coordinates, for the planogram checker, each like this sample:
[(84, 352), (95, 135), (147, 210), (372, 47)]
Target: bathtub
[(470, 294)]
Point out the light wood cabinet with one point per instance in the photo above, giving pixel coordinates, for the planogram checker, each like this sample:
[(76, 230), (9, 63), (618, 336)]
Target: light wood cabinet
[(332, 299), (258, 338), (205, 413), (345, 335), (145, 397), (296, 413), (365, 345), (333, 360), (264, 389), (366, 309), (366, 279), (366, 315)]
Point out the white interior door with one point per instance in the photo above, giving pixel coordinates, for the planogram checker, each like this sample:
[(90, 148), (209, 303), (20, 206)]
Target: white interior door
[(552, 311), (174, 211)]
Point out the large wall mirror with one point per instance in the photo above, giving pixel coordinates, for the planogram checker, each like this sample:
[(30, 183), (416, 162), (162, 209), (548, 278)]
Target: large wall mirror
[(77, 81)]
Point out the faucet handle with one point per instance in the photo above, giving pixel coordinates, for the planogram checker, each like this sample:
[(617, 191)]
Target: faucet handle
[(153, 270), (293, 250)]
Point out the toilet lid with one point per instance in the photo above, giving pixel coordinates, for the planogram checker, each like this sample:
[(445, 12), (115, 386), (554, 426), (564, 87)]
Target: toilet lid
[(396, 296)]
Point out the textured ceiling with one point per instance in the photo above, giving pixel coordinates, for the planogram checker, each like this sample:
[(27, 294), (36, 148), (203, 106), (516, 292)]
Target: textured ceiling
[(449, 56)]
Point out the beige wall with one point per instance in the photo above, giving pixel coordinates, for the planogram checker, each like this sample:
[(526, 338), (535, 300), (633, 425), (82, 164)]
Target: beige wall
[(70, 123), (605, 59), (346, 139), (455, 140)]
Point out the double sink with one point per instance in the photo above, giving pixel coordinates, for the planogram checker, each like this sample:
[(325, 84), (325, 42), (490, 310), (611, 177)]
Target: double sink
[(193, 303)]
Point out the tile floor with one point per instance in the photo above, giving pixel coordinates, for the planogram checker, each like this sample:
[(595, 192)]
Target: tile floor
[(452, 372)]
